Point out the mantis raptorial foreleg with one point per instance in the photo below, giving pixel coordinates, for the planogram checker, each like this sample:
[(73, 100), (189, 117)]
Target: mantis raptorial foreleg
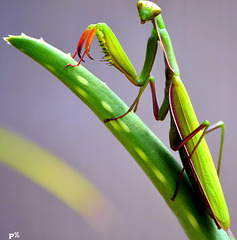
[(115, 55)]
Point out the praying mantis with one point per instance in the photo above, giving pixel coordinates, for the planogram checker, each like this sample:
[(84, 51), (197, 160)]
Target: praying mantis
[(186, 134)]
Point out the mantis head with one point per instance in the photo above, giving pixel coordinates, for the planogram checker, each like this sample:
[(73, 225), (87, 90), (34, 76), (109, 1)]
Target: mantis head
[(147, 10)]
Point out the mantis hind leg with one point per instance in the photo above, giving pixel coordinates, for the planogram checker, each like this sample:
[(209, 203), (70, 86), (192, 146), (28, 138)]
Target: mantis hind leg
[(221, 125), (207, 129)]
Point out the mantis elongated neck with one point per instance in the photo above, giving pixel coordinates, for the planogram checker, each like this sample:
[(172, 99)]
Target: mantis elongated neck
[(150, 56), (168, 48)]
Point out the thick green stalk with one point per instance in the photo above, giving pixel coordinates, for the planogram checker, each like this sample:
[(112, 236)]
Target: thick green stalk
[(152, 156)]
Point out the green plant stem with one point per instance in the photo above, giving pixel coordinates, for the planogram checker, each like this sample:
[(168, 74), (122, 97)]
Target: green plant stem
[(151, 155)]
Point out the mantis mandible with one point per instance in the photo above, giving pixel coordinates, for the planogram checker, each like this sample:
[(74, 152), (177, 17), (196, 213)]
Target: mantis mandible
[(186, 134)]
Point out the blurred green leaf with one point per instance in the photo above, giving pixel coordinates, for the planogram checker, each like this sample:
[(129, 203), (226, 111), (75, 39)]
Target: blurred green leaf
[(57, 177)]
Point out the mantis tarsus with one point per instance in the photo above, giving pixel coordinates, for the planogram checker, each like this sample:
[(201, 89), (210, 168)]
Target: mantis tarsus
[(186, 134)]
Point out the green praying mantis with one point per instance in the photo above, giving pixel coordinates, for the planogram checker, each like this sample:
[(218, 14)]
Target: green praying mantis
[(186, 134)]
